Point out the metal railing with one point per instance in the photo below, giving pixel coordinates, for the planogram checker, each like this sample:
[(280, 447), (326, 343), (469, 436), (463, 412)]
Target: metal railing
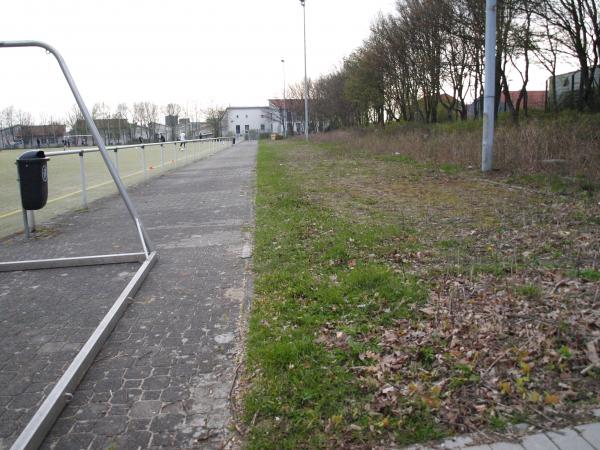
[(89, 180)]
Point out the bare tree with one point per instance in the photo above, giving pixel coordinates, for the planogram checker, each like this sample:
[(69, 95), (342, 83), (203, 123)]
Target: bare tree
[(214, 117), (172, 110)]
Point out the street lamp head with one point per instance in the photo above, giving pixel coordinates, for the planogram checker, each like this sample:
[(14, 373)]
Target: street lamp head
[(302, 2)]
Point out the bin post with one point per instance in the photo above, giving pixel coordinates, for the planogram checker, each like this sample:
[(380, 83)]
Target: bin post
[(83, 181), (144, 161), (162, 157), (31, 215), (117, 160), (25, 224), (175, 151)]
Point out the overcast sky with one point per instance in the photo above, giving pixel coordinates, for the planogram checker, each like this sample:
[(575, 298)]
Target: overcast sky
[(225, 52), (196, 53)]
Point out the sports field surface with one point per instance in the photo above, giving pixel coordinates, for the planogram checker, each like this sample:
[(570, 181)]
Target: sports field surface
[(64, 179)]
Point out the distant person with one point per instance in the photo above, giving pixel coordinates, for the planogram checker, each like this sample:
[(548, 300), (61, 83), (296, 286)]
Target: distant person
[(182, 139), (141, 141), (200, 135), (162, 138), (69, 143), (39, 143)]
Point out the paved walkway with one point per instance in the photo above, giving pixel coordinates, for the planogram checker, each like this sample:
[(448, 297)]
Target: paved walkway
[(581, 437), (164, 376)]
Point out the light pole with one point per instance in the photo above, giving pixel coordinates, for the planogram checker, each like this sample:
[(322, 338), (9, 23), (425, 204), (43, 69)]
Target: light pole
[(284, 105), (489, 91), (305, 78)]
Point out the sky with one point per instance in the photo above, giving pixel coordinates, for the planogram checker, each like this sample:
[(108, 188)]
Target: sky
[(196, 53)]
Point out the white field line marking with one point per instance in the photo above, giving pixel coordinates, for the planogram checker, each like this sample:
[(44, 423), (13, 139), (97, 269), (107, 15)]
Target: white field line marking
[(62, 197)]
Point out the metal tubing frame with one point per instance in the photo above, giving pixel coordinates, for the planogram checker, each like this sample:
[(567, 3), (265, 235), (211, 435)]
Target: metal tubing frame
[(40, 424), (42, 421), (90, 122), (76, 261)]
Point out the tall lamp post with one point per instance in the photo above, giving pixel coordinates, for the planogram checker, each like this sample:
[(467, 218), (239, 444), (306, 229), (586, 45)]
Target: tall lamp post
[(489, 91), (284, 105), (305, 78)]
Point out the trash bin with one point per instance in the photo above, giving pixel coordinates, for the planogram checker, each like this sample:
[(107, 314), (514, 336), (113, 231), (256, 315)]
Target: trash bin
[(233, 141), (33, 179)]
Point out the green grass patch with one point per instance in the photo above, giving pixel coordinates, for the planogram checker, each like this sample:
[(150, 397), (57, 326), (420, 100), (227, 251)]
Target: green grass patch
[(315, 281)]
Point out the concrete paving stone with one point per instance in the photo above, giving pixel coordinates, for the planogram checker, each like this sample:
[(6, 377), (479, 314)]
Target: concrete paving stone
[(110, 426), (161, 371), (506, 446), (538, 442), (75, 441), (118, 410), (132, 384), (591, 433), (137, 373), (119, 397), (91, 411), (166, 422), (108, 385), (162, 441), (84, 426), (151, 395), (101, 397), (138, 424), (568, 439), (596, 412), (479, 447), (133, 440), (145, 409)]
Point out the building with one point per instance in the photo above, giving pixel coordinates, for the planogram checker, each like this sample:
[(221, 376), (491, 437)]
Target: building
[(26, 136), (294, 113), (251, 121), (567, 87), (536, 100)]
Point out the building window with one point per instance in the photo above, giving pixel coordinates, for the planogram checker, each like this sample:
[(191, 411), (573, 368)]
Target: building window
[(237, 116), (262, 127), (246, 116), (237, 129), (246, 128)]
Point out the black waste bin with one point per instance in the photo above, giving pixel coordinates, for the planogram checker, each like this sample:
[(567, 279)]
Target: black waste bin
[(33, 179), (233, 141)]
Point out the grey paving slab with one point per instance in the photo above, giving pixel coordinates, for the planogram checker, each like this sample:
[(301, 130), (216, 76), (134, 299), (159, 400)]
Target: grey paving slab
[(591, 433), (538, 442), (506, 446), (569, 439), (164, 376)]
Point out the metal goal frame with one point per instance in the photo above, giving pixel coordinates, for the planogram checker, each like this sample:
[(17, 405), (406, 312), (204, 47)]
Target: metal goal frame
[(35, 431)]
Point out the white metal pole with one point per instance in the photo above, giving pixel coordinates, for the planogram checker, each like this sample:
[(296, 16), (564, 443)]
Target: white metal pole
[(144, 162), (489, 101), (305, 76), (117, 161), (83, 181), (284, 102), (162, 157), (31, 214)]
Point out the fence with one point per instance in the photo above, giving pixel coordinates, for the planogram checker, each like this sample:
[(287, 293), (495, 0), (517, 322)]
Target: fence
[(77, 177)]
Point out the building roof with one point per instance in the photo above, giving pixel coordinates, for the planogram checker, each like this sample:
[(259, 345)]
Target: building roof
[(246, 107), (535, 99), (290, 103)]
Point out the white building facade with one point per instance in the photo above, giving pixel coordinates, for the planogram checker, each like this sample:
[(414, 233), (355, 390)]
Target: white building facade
[(251, 121)]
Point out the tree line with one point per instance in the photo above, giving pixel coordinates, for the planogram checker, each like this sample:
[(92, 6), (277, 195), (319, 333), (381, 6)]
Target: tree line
[(121, 124), (428, 56)]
